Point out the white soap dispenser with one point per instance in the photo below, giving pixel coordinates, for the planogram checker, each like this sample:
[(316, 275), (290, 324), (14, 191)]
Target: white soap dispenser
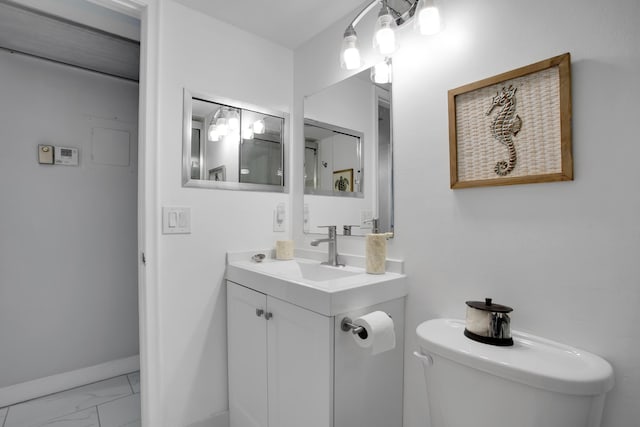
[(376, 249)]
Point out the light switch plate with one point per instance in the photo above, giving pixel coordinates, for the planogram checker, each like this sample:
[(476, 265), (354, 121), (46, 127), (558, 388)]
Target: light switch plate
[(176, 220)]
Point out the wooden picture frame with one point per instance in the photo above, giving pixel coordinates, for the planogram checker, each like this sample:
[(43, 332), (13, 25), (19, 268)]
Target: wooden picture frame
[(513, 128), (343, 180)]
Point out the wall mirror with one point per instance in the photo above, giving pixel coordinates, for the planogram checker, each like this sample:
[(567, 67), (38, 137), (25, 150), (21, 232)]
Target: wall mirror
[(232, 145), (348, 160)]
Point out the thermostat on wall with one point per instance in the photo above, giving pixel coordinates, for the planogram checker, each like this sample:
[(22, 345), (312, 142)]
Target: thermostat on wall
[(66, 156)]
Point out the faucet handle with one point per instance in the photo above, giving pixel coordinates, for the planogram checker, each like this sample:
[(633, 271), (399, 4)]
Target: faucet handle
[(374, 225), (346, 229)]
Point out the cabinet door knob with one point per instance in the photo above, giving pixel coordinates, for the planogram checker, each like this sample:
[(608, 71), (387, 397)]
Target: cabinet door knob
[(268, 316), (259, 312)]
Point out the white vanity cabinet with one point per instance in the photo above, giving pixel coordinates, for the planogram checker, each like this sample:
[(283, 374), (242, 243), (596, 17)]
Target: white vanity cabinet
[(291, 364), (280, 362)]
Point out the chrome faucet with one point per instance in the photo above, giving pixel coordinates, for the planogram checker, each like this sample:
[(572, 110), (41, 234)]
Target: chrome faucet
[(332, 242)]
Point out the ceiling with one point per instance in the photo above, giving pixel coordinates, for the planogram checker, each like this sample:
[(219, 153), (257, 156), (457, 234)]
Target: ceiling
[(27, 31), (289, 23)]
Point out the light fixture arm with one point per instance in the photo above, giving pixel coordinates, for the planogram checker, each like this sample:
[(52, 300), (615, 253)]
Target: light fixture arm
[(373, 4), (363, 12)]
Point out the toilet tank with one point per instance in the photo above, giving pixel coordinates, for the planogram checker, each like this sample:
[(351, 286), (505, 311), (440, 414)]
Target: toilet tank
[(534, 383)]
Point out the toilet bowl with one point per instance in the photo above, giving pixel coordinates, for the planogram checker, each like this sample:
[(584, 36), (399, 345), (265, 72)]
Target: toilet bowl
[(534, 383)]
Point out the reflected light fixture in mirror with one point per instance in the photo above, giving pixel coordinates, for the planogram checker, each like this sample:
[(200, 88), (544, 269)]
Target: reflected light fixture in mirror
[(390, 17), (381, 72)]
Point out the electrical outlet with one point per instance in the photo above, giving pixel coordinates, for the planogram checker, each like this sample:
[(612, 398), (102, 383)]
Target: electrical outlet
[(279, 217), (305, 223)]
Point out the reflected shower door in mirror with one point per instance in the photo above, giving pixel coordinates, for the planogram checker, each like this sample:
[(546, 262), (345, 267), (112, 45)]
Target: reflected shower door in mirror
[(348, 160), (232, 145)]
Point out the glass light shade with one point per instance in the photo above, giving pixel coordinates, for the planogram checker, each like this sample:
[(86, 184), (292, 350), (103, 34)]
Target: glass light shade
[(350, 55), (428, 18), (233, 120), (213, 134), (222, 126), (384, 36), (247, 133), (258, 126), (381, 72)]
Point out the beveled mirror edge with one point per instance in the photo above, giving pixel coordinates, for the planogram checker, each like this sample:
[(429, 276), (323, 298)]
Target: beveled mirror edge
[(355, 194), (187, 113), (380, 92)]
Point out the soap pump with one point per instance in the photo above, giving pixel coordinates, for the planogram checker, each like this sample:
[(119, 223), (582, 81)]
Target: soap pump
[(375, 249)]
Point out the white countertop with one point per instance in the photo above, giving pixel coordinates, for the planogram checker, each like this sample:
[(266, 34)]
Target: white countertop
[(352, 289)]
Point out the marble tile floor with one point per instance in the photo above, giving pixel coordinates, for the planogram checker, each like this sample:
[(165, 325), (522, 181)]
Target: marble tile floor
[(110, 403)]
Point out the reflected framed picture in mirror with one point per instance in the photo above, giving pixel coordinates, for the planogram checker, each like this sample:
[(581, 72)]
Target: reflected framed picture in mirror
[(343, 180), (217, 174)]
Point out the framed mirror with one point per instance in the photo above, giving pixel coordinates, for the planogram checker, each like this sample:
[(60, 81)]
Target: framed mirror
[(232, 145), (348, 137)]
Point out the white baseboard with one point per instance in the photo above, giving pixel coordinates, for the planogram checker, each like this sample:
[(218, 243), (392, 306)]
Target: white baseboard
[(43, 386)]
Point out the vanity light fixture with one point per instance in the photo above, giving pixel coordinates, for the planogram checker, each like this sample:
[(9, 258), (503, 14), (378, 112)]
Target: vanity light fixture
[(384, 38)]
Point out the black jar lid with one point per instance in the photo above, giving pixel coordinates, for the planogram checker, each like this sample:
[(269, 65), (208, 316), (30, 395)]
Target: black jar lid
[(488, 305)]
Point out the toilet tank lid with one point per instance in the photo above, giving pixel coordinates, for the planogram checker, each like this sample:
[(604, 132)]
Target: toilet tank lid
[(532, 360)]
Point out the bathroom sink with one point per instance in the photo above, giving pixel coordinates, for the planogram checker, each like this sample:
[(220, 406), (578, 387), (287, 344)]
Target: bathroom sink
[(308, 283), (307, 270)]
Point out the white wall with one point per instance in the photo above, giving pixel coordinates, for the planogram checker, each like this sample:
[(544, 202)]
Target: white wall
[(68, 263), (564, 255), (210, 57)]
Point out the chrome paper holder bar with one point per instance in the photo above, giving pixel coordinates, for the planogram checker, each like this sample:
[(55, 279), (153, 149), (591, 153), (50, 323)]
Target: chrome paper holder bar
[(347, 325)]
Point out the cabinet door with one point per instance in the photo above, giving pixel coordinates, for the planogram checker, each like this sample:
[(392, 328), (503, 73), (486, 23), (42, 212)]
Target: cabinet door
[(247, 351), (300, 359)]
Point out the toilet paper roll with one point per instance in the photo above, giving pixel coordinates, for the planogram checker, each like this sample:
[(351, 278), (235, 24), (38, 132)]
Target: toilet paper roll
[(284, 249), (378, 332)]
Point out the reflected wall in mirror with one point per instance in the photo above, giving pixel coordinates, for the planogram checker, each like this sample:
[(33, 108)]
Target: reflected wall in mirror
[(232, 145), (348, 126)]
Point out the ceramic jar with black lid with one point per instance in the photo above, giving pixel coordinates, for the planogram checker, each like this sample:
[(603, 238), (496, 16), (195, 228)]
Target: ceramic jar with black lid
[(488, 323)]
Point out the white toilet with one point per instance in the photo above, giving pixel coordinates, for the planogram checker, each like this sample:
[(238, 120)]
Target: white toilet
[(534, 383)]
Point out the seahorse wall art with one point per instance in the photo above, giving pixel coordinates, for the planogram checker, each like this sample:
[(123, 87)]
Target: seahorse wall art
[(505, 126)]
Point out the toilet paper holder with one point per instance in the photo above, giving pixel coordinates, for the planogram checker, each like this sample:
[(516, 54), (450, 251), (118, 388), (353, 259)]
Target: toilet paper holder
[(347, 325)]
